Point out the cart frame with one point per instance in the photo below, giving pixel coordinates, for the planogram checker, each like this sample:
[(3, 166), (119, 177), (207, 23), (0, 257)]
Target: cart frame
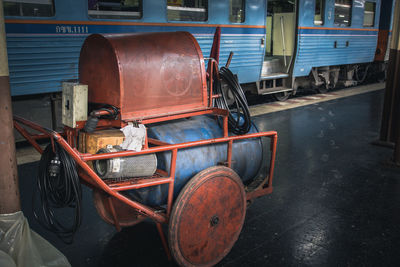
[(68, 141)]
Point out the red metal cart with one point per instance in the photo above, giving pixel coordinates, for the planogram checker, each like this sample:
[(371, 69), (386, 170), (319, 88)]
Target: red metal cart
[(205, 220)]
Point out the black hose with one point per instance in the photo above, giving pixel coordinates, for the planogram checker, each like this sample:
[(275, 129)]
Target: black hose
[(92, 121), (91, 124), (112, 112), (59, 187), (239, 120)]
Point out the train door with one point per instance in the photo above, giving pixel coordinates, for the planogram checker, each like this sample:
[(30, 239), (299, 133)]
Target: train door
[(279, 48)]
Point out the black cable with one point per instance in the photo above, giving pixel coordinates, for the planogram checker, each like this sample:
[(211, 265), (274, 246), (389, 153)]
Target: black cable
[(59, 187), (112, 112), (93, 119), (91, 124), (239, 120)]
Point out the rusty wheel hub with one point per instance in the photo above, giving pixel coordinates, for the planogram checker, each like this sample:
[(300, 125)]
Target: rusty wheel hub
[(207, 217)]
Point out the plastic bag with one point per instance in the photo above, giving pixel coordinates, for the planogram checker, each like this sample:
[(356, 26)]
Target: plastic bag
[(20, 246)]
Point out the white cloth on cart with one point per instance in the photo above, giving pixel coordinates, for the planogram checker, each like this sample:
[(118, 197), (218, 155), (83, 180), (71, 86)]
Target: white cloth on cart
[(135, 137)]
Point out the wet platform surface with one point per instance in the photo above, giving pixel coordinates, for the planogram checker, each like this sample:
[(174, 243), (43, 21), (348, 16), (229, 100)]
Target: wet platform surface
[(335, 202)]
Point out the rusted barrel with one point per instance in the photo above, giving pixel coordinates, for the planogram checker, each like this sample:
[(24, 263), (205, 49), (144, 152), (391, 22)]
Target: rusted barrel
[(145, 74)]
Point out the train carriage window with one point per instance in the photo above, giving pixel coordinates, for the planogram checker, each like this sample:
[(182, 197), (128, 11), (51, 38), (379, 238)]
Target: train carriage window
[(29, 8), (369, 14), (115, 9), (319, 12), (343, 12), (237, 11), (187, 10)]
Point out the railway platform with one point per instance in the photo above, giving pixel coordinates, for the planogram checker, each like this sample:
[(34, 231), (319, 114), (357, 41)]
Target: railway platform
[(335, 201)]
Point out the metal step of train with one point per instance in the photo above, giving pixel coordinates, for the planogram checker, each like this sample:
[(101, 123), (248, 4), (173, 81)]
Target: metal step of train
[(273, 83), (273, 76)]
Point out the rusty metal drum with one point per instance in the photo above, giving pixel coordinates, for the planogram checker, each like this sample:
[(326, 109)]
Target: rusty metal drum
[(111, 210), (145, 74), (246, 155)]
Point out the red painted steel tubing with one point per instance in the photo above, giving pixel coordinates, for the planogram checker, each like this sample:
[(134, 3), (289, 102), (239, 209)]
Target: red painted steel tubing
[(268, 189), (171, 184), (28, 137), (114, 214), (164, 241), (225, 122), (272, 161), (151, 182), (258, 193), (90, 157), (157, 142), (229, 160), (101, 112), (35, 126), (210, 81), (140, 207), (177, 116), (96, 181)]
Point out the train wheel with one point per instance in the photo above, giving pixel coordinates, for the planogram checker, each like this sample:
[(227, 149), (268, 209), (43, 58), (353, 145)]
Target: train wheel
[(327, 86), (283, 96), (361, 72), (322, 89), (207, 217), (126, 215)]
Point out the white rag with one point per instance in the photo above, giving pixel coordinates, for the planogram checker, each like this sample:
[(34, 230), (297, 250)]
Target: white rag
[(135, 137)]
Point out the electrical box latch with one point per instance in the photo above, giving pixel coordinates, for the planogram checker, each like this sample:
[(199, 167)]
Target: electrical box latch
[(74, 103)]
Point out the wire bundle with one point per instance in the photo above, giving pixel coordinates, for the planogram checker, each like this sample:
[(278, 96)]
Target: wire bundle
[(59, 187), (239, 116)]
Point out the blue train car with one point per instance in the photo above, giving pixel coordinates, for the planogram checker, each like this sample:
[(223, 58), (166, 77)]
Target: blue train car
[(279, 46), (44, 49), (333, 34)]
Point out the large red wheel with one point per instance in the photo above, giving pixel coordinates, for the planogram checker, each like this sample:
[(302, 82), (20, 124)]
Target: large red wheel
[(125, 214), (207, 217)]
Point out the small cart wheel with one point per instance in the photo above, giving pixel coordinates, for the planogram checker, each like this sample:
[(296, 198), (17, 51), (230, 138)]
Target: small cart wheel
[(125, 214), (207, 217)]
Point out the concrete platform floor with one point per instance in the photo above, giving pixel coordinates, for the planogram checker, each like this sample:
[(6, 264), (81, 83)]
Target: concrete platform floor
[(335, 202)]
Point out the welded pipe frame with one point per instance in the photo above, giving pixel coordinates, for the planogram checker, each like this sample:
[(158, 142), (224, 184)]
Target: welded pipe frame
[(89, 177)]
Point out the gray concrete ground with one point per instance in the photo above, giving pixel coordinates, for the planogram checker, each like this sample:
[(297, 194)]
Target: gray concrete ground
[(335, 202)]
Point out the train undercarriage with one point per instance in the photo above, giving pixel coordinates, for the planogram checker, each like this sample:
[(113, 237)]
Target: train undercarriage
[(321, 79)]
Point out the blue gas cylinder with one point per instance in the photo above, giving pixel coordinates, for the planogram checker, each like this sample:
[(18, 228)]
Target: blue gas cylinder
[(246, 155)]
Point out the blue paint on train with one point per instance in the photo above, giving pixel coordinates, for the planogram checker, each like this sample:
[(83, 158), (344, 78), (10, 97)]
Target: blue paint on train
[(330, 44), (29, 53), (338, 32), (13, 28), (41, 55)]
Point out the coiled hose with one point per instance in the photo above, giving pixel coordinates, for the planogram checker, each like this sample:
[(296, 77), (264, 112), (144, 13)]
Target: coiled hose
[(239, 120), (59, 187)]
